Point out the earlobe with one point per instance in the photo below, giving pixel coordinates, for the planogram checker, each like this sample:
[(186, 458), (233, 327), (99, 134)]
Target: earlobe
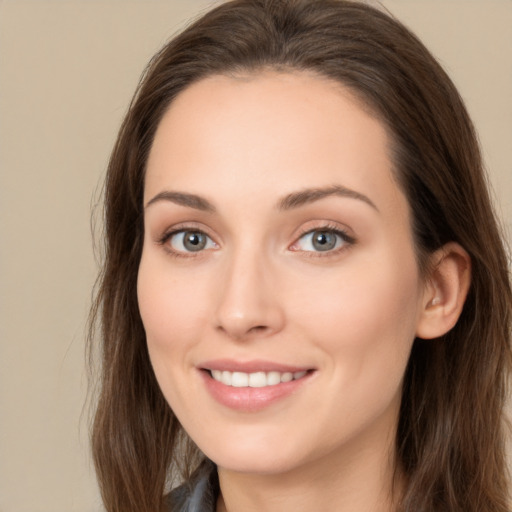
[(445, 292)]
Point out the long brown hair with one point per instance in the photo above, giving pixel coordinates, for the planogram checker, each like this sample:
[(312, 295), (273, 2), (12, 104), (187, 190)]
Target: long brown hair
[(450, 440)]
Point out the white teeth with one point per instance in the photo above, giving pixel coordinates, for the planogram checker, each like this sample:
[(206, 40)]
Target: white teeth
[(286, 377), (255, 380), (239, 379), (273, 378), (226, 378)]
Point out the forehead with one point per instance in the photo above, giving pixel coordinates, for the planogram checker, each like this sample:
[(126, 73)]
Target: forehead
[(268, 131)]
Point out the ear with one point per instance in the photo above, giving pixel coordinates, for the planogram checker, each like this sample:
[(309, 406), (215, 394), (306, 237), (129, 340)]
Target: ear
[(445, 291)]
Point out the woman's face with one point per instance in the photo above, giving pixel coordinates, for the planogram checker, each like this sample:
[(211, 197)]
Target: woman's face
[(277, 246)]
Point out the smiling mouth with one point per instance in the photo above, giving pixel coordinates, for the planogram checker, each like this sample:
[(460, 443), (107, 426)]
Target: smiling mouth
[(253, 386), (256, 379)]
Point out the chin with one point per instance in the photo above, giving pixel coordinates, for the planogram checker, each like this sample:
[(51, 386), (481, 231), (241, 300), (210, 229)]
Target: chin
[(256, 456), (262, 464)]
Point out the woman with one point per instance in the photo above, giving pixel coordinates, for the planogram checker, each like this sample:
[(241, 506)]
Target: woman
[(305, 302)]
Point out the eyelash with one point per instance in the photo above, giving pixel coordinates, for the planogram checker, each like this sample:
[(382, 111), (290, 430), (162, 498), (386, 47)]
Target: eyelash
[(166, 237), (347, 240)]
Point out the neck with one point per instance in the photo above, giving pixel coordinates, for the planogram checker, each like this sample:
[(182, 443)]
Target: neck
[(354, 479)]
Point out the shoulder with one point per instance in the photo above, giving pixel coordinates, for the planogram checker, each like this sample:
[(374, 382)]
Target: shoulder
[(199, 494)]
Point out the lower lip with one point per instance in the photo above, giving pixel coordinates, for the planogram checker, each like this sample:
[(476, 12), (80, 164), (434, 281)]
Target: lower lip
[(248, 399)]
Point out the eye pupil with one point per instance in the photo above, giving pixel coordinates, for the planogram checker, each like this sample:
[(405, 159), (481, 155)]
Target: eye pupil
[(324, 240), (194, 241)]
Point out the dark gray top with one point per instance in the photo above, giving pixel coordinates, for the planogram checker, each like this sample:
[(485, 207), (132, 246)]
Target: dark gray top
[(199, 494)]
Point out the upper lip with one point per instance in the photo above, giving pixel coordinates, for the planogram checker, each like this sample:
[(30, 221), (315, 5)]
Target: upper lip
[(252, 366)]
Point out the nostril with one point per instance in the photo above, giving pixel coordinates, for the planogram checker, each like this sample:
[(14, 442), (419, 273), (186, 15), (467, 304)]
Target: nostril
[(258, 328)]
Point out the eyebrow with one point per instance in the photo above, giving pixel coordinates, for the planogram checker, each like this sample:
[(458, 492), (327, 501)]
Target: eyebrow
[(310, 195), (183, 199), (288, 202)]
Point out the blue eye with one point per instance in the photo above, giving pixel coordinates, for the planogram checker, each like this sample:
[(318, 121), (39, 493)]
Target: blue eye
[(190, 241), (322, 240)]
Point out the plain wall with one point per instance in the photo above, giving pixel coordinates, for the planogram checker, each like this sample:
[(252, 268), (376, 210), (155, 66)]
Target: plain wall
[(67, 72)]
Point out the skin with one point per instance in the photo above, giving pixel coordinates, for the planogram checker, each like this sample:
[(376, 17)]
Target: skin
[(259, 290)]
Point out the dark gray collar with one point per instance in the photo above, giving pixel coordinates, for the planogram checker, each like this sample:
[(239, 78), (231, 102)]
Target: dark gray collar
[(199, 494)]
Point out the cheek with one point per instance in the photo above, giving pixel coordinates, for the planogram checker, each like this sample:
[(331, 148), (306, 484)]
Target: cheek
[(364, 322), (173, 313), (170, 308), (365, 316)]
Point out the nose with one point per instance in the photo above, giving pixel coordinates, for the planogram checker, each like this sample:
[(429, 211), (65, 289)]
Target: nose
[(249, 305)]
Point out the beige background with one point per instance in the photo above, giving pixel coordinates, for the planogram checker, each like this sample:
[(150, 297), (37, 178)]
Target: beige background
[(67, 71)]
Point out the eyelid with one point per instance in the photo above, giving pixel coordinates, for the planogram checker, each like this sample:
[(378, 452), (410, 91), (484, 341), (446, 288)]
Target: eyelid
[(181, 228), (330, 227)]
